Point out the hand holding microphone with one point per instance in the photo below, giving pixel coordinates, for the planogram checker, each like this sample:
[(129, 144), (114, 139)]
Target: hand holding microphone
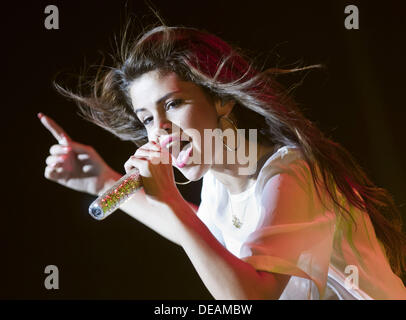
[(149, 168), (81, 168)]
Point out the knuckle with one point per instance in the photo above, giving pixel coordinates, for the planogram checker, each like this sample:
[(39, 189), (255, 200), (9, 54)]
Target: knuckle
[(133, 160), (48, 160), (53, 149), (52, 160), (128, 165), (58, 149), (47, 172)]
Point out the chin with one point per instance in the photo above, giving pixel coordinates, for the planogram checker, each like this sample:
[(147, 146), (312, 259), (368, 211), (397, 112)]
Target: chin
[(194, 172)]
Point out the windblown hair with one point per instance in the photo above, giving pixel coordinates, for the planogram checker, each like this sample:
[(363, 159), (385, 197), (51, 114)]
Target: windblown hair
[(225, 73)]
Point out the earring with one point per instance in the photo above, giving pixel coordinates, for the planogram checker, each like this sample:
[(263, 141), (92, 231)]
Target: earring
[(233, 124)]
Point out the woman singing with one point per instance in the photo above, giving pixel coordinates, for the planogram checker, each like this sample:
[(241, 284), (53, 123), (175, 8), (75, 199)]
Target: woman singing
[(303, 222)]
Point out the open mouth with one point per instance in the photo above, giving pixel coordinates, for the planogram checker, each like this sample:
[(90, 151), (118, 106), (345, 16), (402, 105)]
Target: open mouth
[(181, 150)]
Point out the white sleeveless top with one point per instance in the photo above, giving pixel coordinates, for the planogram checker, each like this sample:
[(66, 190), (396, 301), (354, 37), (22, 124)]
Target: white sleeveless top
[(285, 229)]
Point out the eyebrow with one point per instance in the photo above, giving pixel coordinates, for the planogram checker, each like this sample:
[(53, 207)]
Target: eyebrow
[(158, 101)]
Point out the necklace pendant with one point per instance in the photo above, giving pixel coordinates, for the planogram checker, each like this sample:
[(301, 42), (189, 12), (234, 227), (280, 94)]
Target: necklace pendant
[(236, 222)]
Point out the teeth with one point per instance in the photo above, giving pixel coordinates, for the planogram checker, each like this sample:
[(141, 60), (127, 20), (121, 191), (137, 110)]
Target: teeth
[(177, 141), (182, 145)]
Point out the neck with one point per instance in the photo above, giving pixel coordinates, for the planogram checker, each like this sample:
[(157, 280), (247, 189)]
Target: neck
[(228, 174)]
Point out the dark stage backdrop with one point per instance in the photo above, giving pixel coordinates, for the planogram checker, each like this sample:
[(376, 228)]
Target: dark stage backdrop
[(358, 100)]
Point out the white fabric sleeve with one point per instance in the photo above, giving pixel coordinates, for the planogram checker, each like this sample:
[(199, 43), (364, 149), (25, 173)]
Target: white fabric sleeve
[(207, 208), (295, 233)]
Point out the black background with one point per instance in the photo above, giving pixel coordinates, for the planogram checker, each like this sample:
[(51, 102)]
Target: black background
[(358, 101)]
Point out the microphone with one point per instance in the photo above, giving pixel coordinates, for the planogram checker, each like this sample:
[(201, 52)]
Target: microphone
[(121, 191), (115, 196)]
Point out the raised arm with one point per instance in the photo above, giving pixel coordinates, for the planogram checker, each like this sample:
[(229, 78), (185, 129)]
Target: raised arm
[(80, 167)]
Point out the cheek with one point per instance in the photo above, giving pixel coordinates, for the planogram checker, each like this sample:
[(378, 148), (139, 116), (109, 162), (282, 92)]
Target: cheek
[(195, 120), (197, 117), (149, 135), (203, 123), (204, 118)]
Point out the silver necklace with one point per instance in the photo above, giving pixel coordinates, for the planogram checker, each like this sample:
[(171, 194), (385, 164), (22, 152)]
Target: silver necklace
[(236, 221)]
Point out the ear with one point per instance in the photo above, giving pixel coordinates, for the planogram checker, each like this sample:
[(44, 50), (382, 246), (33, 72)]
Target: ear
[(224, 108)]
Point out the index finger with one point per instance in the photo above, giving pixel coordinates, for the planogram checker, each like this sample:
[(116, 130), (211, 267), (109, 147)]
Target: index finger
[(59, 134)]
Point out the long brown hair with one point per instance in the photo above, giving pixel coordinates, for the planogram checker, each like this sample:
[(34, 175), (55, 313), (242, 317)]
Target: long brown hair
[(225, 72)]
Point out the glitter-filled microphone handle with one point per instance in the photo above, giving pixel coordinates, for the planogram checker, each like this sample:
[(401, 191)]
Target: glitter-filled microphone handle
[(114, 197)]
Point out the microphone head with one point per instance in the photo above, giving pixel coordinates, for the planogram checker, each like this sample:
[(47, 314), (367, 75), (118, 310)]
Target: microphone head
[(114, 197), (96, 212)]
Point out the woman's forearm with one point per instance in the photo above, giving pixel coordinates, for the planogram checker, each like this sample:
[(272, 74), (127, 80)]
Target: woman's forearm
[(224, 275), (159, 219)]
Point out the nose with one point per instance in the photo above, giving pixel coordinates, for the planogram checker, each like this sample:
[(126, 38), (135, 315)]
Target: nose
[(162, 129)]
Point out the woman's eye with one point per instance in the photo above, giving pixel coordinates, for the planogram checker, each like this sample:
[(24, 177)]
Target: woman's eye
[(168, 106), (147, 120), (173, 103)]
